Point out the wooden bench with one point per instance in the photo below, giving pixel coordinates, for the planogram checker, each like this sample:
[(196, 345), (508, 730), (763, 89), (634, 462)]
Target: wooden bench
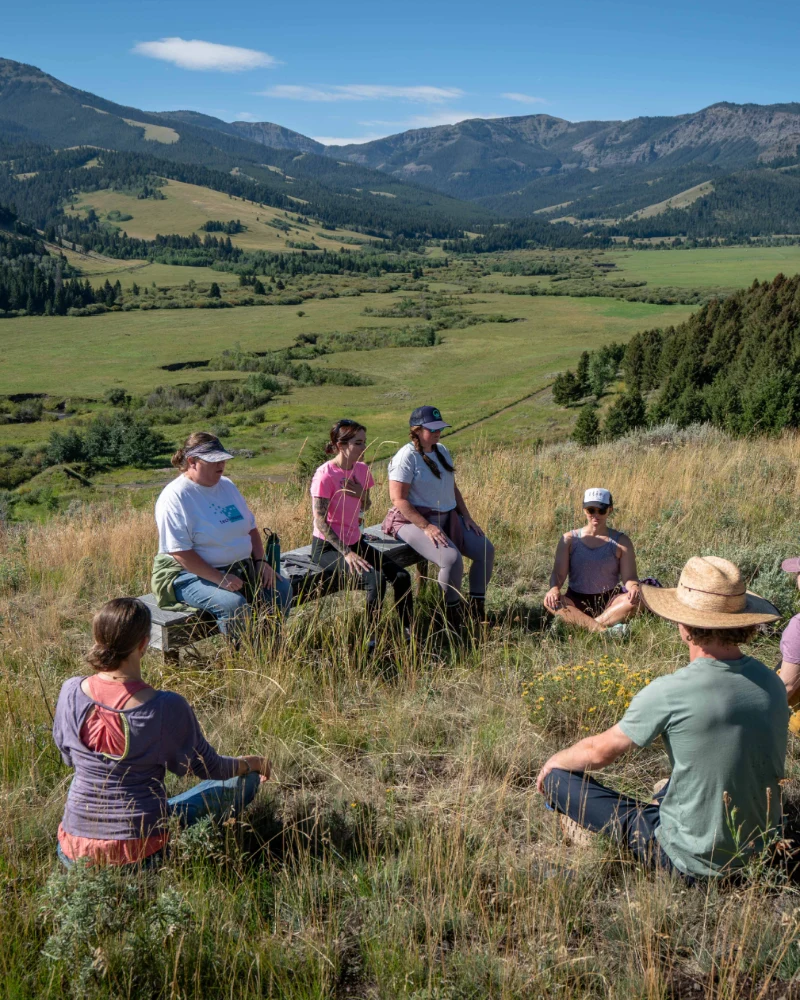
[(171, 630)]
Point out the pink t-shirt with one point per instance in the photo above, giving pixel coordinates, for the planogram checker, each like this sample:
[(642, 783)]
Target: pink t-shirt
[(344, 509), (790, 641)]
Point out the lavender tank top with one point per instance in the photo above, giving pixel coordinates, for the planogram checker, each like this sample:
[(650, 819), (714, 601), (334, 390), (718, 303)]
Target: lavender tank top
[(593, 571)]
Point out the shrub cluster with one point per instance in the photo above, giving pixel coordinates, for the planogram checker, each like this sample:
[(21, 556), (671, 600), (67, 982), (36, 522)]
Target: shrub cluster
[(111, 441)]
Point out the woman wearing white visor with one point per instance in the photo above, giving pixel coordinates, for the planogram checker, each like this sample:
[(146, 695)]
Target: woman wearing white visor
[(598, 560), (206, 527)]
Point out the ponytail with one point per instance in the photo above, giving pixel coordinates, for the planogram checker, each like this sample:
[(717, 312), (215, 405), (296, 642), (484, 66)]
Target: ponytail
[(414, 435), (341, 432), (179, 459), (117, 629)]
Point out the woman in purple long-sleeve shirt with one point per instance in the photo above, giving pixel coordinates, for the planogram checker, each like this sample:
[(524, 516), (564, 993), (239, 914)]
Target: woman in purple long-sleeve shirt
[(121, 736)]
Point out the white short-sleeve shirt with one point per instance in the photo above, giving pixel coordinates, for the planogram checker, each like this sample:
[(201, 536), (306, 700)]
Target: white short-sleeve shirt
[(215, 521), (408, 466)]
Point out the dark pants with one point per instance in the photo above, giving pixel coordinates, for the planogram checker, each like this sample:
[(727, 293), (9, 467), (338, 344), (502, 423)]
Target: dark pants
[(374, 581), (602, 810)]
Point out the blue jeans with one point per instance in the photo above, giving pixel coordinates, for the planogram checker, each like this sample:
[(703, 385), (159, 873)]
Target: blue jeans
[(231, 610), (210, 798)]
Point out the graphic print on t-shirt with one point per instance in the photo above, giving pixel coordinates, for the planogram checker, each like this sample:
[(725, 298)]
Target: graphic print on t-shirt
[(229, 513)]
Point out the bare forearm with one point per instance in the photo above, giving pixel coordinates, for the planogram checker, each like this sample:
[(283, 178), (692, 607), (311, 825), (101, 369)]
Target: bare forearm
[(194, 563), (320, 507), (582, 756), (410, 513), (790, 675), (258, 545)]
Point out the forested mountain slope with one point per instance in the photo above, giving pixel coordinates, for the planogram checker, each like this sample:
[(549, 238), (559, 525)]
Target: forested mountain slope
[(37, 111), (735, 362), (478, 158)]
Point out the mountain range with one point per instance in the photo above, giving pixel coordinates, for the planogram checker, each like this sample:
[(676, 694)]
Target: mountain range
[(612, 173)]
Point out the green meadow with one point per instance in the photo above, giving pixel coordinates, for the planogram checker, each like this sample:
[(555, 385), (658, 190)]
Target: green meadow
[(730, 267), (472, 374), (492, 379)]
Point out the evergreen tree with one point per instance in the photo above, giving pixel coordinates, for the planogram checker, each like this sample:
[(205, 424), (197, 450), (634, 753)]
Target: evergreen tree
[(566, 389), (587, 426), (582, 372), (627, 413), (214, 292)]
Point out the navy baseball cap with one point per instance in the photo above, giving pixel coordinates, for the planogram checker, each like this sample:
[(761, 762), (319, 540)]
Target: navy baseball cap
[(428, 417)]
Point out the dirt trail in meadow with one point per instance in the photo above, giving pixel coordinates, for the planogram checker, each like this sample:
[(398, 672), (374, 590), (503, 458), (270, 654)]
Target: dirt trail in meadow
[(503, 409)]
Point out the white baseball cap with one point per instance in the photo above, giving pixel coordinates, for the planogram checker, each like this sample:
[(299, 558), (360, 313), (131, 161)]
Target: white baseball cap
[(597, 495)]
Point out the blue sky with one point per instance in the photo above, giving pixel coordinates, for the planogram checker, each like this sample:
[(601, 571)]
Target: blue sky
[(354, 70)]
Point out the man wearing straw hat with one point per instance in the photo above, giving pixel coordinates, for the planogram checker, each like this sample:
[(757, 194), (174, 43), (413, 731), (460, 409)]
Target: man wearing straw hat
[(723, 719)]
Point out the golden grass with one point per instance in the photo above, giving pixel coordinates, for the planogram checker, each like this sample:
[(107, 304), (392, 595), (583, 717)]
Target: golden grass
[(401, 850), (186, 207)]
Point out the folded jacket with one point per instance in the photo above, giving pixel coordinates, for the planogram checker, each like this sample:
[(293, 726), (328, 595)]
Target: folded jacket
[(165, 572)]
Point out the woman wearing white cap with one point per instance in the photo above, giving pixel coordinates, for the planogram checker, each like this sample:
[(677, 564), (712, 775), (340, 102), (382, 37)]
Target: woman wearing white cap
[(206, 527), (430, 514), (597, 560)]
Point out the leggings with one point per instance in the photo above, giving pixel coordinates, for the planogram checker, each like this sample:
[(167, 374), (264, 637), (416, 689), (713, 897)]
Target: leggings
[(451, 565), (374, 582)]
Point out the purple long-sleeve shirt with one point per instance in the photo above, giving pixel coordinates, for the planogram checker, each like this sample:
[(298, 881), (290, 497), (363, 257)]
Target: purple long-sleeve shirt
[(121, 799)]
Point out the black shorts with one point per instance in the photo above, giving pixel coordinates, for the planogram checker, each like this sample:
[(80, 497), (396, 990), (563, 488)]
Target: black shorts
[(592, 604)]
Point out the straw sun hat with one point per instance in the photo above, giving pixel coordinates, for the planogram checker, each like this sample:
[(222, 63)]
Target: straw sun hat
[(710, 594)]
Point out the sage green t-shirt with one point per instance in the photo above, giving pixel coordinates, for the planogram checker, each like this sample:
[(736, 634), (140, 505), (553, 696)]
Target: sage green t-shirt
[(724, 723)]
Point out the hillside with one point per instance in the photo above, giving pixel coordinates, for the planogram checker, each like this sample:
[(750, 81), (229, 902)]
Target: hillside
[(602, 173), (38, 111), (479, 158), (401, 849)]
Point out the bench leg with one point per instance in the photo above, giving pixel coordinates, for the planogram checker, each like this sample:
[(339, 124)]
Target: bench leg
[(422, 574)]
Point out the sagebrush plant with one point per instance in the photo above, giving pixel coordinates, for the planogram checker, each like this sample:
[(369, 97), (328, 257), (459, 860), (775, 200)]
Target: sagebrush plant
[(401, 849)]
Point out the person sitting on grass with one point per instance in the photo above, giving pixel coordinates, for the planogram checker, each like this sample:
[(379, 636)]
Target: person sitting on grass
[(790, 651), (430, 514), (205, 525), (596, 559), (339, 493), (121, 736), (723, 720)]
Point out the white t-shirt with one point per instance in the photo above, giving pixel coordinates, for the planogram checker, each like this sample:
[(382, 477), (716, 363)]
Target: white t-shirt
[(408, 466), (215, 521)]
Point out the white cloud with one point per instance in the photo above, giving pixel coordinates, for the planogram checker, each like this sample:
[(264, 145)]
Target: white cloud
[(364, 92), (199, 55), (246, 116), (524, 98)]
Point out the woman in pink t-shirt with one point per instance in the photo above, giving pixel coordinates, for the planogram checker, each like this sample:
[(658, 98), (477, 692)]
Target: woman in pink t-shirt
[(340, 492)]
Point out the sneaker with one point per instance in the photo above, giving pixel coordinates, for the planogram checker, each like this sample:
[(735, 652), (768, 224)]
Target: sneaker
[(618, 630), (575, 835)]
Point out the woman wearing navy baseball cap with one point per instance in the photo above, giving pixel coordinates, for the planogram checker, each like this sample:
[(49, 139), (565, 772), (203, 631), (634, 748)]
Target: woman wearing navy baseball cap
[(430, 514), (597, 560)]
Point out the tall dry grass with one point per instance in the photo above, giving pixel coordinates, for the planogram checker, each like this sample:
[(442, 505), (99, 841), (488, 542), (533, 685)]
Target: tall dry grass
[(401, 850)]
